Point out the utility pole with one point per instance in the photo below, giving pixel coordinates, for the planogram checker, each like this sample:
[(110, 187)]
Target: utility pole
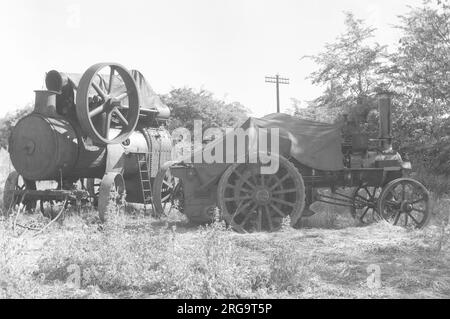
[(277, 80)]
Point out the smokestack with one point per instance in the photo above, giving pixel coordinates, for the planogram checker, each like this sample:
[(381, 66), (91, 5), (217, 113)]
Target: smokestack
[(45, 102), (384, 108)]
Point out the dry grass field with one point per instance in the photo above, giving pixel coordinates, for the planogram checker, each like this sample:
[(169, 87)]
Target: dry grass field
[(135, 256)]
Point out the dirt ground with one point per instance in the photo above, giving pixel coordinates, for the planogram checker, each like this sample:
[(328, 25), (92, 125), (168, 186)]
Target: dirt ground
[(135, 256)]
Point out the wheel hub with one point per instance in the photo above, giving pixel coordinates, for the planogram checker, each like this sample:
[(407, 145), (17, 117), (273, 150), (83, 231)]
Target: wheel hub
[(406, 207), (262, 196)]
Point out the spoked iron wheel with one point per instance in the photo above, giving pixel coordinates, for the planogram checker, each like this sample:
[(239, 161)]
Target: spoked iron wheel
[(167, 192), (10, 200), (252, 202), (51, 208), (101, 106), (112, 195), (405, 202), (364, 204), (92, 186)]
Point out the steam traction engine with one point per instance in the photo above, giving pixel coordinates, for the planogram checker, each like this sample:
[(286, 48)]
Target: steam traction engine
[(316, 160), (98, 136)]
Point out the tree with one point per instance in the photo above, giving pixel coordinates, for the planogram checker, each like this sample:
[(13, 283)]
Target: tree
[(7, 123), (420, 73), (422, 62), (187, 105), (349, 68)]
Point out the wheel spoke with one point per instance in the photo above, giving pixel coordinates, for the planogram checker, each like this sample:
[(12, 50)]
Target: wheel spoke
[(281, 201), (246, 218), (99, 91), (418, 200), (285, 191), (279, 182), (111, 79), (412, 217), (107, 124), (397, 217), (358, 199), (406, 220), (277, 210), (98, 110), (237, 198), (239, 189), (269, 218), (391, 203), (259, 220), (165, 198), (367, 191), (240, 208), (169, 185), (245, 179), (374, 192), (122, 118), (364, 214), (122, 96)]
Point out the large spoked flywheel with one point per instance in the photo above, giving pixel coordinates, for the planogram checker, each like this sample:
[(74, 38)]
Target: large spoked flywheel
[(107, 97), (252, 202)]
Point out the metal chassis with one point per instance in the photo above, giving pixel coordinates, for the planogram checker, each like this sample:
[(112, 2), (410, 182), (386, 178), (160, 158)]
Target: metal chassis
[(353, 177)]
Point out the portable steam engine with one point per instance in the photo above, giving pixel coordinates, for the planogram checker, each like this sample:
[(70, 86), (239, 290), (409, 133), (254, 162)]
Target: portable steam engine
[(106, 124)]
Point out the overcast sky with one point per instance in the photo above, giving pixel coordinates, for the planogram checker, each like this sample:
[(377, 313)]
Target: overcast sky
[(224, 46)]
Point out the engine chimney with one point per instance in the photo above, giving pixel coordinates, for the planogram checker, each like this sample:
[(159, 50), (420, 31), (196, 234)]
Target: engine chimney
[(45, 102), (384, 108)]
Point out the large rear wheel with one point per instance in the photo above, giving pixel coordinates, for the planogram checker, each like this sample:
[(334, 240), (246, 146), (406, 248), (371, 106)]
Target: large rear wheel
[(252, 202)]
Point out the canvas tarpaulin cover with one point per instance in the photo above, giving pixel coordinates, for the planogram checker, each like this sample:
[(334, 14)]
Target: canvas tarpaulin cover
[(314, 144), (148, 98)]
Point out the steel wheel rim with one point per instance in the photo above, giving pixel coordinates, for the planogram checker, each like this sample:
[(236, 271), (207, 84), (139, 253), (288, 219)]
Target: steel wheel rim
[(252, 202), (406, 203)]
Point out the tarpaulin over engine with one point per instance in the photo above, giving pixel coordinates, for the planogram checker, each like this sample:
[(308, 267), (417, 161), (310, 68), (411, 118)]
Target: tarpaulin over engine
[(314, 144), (148, 98)]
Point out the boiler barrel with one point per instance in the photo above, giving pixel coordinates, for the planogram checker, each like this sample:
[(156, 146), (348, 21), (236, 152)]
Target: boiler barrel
[(44, 148)]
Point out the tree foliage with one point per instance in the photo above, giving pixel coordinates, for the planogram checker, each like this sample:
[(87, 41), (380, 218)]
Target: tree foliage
[(418, 73), (8, 122), (187, 105), (420, 76), (348, 67)]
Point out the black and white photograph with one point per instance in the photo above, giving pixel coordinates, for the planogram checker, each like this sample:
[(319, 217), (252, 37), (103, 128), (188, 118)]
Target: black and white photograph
[(221, 157)]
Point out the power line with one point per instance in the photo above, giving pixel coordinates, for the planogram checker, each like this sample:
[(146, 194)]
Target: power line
[(277, 80)]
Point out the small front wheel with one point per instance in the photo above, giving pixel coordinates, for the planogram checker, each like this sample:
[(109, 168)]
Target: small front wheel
[(405, 202)]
